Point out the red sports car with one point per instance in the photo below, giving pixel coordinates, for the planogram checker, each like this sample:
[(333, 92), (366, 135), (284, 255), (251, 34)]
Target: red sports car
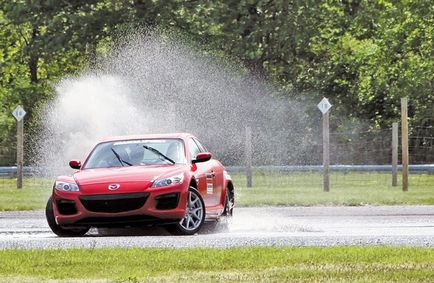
[(168, 179)]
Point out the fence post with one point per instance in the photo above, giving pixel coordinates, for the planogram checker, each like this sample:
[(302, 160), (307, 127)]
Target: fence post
[(248, 156), (171, 126), (404, 142), (394, 154)]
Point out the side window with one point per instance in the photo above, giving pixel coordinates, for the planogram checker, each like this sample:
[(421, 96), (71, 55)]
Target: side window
[(194, 149), (201, 147)]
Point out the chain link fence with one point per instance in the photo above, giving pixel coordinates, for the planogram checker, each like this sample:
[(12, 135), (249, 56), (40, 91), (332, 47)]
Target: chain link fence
[(354, 156)]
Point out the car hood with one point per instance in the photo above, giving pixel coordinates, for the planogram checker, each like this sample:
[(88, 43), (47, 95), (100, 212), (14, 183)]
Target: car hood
[(131, 178)]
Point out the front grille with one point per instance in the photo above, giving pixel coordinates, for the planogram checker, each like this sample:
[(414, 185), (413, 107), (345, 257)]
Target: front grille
[(114, 202), (66, 207)]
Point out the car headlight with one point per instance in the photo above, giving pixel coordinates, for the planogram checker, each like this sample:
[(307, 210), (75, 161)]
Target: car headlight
[(178, 179), (67, 187)]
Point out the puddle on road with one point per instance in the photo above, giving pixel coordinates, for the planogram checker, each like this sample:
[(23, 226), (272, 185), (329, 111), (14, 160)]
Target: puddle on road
[(251, 222)]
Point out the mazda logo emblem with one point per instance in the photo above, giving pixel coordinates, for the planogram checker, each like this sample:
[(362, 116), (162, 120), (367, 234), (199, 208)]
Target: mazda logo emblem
[(113, 187)]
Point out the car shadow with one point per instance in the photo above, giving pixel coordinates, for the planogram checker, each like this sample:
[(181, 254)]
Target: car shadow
[(212, 227)]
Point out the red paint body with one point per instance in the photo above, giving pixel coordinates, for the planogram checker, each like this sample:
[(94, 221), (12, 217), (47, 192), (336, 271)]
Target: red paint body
[(208, 177)]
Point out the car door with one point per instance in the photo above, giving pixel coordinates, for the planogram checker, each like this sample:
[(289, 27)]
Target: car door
[(214, 178), (203, 174), (200, 169)]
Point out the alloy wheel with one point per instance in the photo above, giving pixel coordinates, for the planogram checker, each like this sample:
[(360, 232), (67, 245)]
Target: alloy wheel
[(194, 214)]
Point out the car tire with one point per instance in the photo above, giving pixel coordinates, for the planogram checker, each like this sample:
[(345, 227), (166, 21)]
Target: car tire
[(229, 205), (194, 218), (59, 230), (224, 221)]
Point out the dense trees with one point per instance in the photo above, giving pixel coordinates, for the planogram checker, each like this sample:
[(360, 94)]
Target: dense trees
[(365, 55), (380, 52)]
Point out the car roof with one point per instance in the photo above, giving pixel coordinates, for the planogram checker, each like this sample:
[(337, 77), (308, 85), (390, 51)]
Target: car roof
[(147, 136)]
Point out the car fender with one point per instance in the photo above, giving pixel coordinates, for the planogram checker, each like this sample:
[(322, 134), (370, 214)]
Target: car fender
[(227, 184)]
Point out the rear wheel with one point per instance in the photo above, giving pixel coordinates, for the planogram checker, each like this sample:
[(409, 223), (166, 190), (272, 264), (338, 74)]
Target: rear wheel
[(222, 223), (59, 230), (229, 204), (194, 216), (225, 219)]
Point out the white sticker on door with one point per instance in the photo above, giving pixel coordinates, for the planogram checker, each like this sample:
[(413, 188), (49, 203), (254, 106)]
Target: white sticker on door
[(209, 188)]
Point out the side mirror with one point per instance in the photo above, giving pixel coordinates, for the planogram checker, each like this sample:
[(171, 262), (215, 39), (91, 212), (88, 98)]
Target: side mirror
[(202, 157), (75, 164)]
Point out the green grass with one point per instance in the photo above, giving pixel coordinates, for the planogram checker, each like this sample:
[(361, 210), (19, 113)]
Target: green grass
[(270, 189), (33, 195), (309, 264), (274, 189)]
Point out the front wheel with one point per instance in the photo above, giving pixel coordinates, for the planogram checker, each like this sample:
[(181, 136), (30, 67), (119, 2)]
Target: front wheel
[(59, 230), (194, 216)]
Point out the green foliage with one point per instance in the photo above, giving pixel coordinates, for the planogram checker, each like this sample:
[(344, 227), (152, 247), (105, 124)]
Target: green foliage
[(364, 55), (374, 53)]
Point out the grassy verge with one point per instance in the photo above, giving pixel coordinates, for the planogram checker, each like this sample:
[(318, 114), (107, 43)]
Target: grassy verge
[(33, 195), (276, 189), (312, 264), (23, 199), (273, 189)]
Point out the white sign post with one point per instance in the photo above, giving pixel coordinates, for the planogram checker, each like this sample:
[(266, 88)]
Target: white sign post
[(19, 114), (324, 106)]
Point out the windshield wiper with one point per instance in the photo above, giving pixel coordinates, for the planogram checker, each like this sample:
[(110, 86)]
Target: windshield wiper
[(158, 153), (121, 161)]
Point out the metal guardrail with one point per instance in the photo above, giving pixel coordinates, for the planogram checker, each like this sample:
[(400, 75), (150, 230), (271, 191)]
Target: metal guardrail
[(12, 171), (416, 168)]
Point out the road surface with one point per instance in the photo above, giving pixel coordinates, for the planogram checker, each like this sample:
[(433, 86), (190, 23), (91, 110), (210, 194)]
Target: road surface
[(267, 226)]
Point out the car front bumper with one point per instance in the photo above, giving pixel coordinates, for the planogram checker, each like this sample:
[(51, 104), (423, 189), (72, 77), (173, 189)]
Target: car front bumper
[(152, 206)]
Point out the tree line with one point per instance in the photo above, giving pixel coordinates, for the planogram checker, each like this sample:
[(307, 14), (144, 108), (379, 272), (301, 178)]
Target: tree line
[(362, 54)]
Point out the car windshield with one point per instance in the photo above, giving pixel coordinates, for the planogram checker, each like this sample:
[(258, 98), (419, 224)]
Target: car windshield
[(137, 152)]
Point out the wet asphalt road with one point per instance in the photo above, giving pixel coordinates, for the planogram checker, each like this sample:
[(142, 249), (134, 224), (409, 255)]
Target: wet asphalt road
[(270, 226)]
